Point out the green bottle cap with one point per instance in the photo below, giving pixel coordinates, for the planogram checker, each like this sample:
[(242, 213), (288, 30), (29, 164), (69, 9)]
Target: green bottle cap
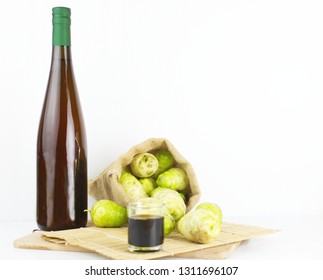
[(61, 26)]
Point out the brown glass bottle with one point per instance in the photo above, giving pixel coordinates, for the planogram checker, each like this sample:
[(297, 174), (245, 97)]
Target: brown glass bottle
[(61, 144)]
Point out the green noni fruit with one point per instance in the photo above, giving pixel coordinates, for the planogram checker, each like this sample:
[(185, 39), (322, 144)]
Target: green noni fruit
[(214, 208), (169, 224), (144, 165), (133, 188), (182, 196), (165, 161), (107, 213), (174, 203), (149, 184), (174, 178), (200, 226)]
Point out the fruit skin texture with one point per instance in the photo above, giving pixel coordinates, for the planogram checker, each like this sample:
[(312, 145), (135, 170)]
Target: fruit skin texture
[(214, 208), (107, 213), (149, 184), (132, 187), (174, 203), (174, 178), (200, 226), (165, 161), (169, 224), (144, 165)]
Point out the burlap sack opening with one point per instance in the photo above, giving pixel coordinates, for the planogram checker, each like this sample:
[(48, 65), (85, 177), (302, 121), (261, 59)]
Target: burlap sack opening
[(106, 185)]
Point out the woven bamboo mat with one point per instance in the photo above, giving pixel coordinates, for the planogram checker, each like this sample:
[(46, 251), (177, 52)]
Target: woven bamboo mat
[(112, 242)]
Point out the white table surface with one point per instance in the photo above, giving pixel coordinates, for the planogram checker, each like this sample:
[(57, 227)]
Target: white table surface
[(299, 238)]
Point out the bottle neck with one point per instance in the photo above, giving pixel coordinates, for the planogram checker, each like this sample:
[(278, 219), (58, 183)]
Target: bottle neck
[(61, 53)]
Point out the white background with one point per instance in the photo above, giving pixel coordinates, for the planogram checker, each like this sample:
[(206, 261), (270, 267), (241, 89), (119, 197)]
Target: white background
[(235, 85)]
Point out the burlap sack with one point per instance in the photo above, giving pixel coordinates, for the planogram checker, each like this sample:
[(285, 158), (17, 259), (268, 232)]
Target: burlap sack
[(106, 185)]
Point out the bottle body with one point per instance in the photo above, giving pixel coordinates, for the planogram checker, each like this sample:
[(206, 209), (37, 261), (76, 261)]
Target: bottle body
[(61, 150)]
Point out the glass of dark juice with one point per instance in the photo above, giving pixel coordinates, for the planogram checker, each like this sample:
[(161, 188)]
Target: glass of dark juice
[(145, 225)]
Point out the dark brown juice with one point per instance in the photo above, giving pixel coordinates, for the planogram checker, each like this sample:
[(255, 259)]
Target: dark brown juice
[(61, 150), (146, 230)]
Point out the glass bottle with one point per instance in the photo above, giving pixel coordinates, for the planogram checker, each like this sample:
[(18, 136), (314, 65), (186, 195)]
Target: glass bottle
[(61, 143)]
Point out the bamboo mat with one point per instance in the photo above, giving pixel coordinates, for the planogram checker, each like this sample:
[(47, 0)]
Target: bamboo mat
[(112, 242)]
